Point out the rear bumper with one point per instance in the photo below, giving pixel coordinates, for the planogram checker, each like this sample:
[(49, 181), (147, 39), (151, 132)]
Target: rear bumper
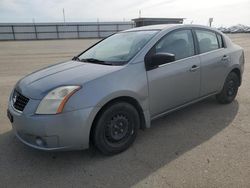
[(65, 131)]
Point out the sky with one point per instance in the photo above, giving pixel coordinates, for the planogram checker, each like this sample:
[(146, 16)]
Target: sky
[(224, 12)]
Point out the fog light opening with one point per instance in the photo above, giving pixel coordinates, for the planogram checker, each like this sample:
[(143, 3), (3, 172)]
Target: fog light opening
[(40, 142)]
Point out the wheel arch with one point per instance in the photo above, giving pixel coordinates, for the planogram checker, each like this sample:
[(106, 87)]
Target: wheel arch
[(237, 72), (128, 99)]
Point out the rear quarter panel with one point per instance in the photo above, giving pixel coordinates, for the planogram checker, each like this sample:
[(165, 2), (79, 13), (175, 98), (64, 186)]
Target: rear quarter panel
[(236, 55)]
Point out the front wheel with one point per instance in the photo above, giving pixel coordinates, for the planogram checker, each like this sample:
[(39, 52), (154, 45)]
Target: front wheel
[(230, 89), (116, 128)]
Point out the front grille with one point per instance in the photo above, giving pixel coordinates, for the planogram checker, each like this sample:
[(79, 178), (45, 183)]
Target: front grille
[(19, 101)]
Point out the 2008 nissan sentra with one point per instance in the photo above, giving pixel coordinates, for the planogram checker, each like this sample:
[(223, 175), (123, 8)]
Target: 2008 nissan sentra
[(117, 86)]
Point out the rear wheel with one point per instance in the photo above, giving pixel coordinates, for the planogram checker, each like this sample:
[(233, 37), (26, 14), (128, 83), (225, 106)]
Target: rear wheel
[(230, 89), (116, 128)]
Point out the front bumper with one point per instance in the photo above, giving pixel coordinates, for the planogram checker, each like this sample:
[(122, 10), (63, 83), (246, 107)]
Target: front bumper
[(65, 131)]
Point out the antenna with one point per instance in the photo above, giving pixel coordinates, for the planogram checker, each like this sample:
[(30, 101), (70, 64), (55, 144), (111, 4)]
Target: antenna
[(139, 13)]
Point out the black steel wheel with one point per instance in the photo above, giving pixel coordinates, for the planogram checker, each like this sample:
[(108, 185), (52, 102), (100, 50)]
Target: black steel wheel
[(230, 89), (116, 128)]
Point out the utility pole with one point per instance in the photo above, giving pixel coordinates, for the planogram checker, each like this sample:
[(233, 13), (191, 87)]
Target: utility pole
[(210, 21), (63, 16), (98, 28), (34, 24)]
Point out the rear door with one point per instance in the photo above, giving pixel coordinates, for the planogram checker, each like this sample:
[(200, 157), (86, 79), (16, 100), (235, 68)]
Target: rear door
[(173, 84), (214, 60)]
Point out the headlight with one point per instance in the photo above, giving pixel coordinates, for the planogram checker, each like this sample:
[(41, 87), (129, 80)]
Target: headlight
[(54, 101)]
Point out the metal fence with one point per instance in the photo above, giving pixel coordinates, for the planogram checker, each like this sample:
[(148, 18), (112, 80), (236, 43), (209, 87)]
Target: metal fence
[(39, 31)]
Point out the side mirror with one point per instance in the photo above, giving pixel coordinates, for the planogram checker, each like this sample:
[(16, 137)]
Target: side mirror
[(161, 58)]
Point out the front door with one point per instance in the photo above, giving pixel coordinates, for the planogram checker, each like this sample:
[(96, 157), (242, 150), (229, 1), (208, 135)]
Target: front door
[(178, 82)]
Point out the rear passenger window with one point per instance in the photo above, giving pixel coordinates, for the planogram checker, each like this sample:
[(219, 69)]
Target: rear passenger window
[(207, 40), (180, 43), (221, 45)]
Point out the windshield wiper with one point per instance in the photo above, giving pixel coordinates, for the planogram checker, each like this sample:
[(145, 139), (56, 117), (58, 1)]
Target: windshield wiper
[(75, 58), (93, 60)]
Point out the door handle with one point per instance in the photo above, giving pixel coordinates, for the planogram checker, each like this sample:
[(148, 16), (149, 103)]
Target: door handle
[(194, 68), (225, 58)]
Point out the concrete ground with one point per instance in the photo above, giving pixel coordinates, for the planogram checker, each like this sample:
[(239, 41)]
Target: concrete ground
[(204, 145)]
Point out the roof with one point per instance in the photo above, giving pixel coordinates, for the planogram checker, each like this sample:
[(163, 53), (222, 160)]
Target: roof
[(153, 27), (168, 26), (157, 19)]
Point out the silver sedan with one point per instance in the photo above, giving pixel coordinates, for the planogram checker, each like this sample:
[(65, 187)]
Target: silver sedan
[(105, 94)]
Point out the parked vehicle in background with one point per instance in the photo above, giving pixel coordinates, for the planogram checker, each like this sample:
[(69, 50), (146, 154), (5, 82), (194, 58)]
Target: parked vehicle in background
[(117, 86)]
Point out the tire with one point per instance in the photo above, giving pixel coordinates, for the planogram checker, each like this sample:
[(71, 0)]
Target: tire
[(230, 89), (116, 128)]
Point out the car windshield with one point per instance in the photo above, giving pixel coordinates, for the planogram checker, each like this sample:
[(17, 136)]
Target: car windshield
[(117, 49)]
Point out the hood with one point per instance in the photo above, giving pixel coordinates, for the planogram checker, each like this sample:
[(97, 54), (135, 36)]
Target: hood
[(37, 84)]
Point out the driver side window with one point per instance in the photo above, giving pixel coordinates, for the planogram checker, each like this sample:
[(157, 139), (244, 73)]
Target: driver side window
[(180, 43)]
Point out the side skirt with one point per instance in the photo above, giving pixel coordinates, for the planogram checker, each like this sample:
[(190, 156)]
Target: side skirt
[(182, 106)]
